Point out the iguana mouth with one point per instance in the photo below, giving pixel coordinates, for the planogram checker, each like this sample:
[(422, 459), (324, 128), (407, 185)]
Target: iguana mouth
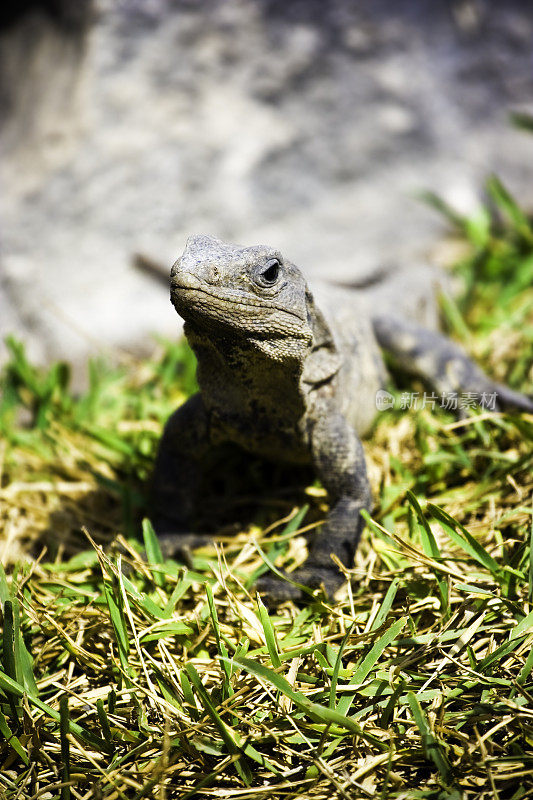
[(188, 292)]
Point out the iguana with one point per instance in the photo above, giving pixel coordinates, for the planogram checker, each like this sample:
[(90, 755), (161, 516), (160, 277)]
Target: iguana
[(289, 375)]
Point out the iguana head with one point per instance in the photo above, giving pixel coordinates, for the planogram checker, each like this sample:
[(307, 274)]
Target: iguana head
[(251, 293)]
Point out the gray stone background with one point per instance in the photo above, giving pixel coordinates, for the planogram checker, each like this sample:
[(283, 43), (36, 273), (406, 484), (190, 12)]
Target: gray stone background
[(306, 124)]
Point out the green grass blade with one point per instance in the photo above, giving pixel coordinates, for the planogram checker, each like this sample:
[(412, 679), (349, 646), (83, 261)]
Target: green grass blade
[(530, 572), (104, 724), (524, 626), (294, 523), (526, 669), (8, 657), (500, 653), (12, 740), (337, 666), (270, 636), (366, 666), (168, 631), (116, 613), (438, 203), (369, 661), (180, 589), (9, 685), (222, 650), (5, 593), (226, 733), (453, 317), (429, 544), (432, 748), (277, 548), (508, 205), (65, 745), (465, 540), (272, 567), (153, 550), (386, 605), (320, 713), (24, 660), (8, 637), (188, 695), (388, 711), (17, 641)]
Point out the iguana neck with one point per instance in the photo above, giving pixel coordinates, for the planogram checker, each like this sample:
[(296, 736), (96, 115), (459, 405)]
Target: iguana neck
[(241, 376)]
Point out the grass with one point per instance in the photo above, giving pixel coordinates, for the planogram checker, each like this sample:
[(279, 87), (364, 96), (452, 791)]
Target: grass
[(127, 676)]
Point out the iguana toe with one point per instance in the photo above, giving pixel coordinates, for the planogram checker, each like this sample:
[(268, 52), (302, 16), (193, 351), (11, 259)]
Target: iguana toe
[(299, 586)]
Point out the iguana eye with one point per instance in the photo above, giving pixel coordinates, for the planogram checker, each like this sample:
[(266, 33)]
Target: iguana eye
[(268, 273)]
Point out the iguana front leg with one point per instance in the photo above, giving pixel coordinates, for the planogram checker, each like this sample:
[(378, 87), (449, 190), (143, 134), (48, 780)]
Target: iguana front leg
[(339, 462), (176, 479)]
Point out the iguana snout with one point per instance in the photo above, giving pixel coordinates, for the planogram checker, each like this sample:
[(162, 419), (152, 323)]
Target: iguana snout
[(251, 289)]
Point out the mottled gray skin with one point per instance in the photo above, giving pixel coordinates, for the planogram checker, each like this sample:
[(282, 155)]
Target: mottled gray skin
[(292, 377)]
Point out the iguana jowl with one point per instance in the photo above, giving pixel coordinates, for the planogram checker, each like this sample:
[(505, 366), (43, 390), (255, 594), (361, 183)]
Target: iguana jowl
[(289, 376)]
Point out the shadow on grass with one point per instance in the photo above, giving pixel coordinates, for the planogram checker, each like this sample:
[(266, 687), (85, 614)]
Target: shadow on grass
[(235, 494)]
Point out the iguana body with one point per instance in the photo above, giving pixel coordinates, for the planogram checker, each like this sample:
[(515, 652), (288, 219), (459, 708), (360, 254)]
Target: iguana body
[(292, 377)]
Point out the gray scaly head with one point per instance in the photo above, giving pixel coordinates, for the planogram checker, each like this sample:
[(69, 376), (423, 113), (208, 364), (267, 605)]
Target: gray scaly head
[(249, 293)]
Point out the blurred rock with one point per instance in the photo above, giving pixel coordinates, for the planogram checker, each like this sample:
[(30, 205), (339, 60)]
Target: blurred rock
[(308, 125)]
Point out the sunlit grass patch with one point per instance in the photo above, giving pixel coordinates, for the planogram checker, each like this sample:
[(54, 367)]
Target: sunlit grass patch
[(125, 675)]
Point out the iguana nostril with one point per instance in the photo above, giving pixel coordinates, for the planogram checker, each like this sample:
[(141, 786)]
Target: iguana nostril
[(213, 276)]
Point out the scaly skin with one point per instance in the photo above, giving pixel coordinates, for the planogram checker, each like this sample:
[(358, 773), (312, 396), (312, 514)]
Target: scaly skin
[(288, 380)]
